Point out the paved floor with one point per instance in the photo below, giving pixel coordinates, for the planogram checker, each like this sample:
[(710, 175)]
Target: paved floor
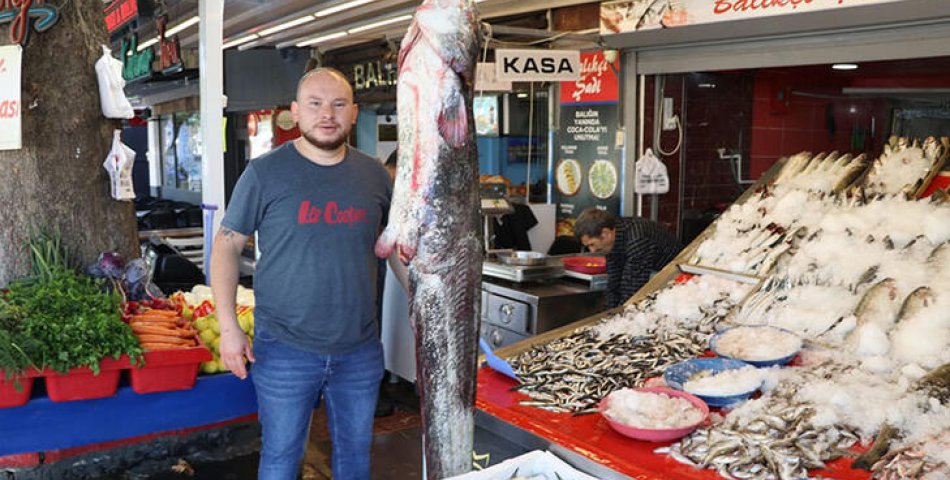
[(397, 448)]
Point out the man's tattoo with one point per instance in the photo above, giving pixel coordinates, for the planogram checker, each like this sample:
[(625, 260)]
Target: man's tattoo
[(225, 231)]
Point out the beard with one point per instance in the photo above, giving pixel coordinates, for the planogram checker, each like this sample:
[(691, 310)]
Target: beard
[(328, 144)]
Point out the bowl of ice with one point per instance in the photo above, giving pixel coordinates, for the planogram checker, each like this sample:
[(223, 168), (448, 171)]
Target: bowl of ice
[(720, 382), (654, 414), (759, 345)]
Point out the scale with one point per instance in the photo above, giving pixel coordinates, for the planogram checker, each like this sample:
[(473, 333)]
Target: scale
[(494, 204)]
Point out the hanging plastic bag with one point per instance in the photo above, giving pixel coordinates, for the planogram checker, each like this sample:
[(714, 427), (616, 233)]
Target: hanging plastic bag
[(111, 96), (119, 166), (651, 176)]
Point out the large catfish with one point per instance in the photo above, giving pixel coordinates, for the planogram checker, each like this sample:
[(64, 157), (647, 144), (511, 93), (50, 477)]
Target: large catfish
[(434, 222)]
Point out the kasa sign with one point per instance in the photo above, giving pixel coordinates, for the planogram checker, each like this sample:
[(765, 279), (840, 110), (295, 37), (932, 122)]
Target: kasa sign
[(537, 65)]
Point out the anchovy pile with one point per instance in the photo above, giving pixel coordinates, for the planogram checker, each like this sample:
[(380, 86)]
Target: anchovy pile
[(780, 442), (573, 373)]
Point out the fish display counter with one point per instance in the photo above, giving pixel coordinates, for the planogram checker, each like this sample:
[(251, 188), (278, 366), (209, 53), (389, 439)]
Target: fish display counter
[(841, 257)]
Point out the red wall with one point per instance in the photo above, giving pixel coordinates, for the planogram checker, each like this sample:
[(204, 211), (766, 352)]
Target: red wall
[(785, 123)]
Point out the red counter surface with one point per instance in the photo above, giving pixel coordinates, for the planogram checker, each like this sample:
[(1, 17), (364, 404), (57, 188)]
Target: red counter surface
[(591, 437)]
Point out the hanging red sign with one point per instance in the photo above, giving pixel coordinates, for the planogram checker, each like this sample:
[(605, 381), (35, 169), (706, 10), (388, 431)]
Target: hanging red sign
[(598, 82), (119, 13), (22, 14)]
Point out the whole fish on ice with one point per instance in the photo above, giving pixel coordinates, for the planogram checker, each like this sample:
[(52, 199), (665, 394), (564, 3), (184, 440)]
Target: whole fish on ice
[(434, 222)]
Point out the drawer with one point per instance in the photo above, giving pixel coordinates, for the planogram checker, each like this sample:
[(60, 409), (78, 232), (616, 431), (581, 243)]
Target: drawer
[(499, 337), (508, 313)]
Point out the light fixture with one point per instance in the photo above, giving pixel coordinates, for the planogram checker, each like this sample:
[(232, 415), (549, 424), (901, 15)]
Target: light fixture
[(320, 39), (844, 66), (240, 41), (340, 7), (522, 95), (181, 26), (171, 31), (146, 44), (381, 23), (284, 26)]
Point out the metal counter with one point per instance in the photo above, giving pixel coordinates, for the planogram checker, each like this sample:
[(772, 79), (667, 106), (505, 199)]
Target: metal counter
[(513, 311)]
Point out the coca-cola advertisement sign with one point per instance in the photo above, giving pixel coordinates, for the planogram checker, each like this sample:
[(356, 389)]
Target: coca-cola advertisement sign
[(598, 82)]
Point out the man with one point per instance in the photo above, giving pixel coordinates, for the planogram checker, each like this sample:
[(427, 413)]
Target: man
[(636, 249), (317, 206)]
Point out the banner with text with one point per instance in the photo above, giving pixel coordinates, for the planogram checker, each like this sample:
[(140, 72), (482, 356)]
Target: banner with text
[(631, 15), (587, 169), (11, 57)]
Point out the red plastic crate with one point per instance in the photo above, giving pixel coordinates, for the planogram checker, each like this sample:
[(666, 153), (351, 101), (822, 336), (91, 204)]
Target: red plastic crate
[(9, 396), (81, 384), (166, 370)]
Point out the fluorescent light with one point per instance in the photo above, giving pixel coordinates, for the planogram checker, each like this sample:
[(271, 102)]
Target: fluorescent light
[(240, 41), (341, 7), (171, 31), (284, 26), (320, 39), (844, 66), (181, 26), (380, 23), (146, 44)]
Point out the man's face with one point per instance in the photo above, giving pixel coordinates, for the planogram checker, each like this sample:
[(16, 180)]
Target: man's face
[(324, 111), (601, 243)]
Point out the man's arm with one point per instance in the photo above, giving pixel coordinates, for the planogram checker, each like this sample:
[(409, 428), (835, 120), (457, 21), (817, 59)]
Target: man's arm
[(225, 270), (637, 268)]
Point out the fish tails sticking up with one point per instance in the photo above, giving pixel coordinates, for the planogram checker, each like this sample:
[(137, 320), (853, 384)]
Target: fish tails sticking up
[(434, 223)]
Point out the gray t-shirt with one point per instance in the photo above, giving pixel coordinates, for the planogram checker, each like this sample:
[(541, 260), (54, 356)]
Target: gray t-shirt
[(315, 282)]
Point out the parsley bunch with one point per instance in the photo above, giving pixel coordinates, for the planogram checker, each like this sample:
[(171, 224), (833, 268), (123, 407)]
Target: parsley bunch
[(72, 319), (60, 318)]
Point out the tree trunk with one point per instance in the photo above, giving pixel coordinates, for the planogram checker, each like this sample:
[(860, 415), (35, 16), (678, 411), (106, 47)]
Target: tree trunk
[(56, 181)]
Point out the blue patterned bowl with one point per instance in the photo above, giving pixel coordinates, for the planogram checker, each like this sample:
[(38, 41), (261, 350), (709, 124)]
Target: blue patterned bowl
[(677, 375)]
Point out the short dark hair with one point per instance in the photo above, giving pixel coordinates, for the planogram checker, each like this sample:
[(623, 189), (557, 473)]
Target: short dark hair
[(593, 221)]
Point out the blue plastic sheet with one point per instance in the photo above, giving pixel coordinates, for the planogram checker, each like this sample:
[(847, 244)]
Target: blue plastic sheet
[(43, 425), (496, 362)]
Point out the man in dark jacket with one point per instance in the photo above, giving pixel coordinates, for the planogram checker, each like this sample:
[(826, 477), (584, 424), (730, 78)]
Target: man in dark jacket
[(636, 249)]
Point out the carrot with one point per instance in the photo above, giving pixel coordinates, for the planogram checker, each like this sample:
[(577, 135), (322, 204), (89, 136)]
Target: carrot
[(151, 338), (160, 313), (163, 346), (157, 330), (156, 318), (156, 322)]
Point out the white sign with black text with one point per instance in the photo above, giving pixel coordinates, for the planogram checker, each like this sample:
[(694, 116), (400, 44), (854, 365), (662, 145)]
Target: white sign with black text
[(537, 65), (11, 136)]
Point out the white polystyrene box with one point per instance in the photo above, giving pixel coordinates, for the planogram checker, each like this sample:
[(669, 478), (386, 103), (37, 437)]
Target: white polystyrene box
[(533, 463)]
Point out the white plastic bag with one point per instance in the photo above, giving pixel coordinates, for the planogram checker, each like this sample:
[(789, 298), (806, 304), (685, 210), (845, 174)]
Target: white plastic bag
[(111, 96), (119, 165), (651, 176)]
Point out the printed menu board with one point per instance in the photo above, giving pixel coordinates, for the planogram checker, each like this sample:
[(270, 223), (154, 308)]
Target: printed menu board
[(587, 167)]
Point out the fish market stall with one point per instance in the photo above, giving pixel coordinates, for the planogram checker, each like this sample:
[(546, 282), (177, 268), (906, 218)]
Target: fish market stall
[(837, 268)]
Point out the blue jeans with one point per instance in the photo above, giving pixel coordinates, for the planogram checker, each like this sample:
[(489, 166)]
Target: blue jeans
[(288, 382)]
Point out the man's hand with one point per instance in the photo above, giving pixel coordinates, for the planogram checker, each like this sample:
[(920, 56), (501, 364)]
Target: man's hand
[(234, 348)]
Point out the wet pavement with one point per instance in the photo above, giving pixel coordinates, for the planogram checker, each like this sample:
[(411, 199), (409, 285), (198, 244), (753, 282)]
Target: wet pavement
[(230, 452)]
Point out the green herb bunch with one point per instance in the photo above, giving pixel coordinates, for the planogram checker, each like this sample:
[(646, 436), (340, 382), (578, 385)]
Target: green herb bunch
[(75, 322), (60, 318)]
